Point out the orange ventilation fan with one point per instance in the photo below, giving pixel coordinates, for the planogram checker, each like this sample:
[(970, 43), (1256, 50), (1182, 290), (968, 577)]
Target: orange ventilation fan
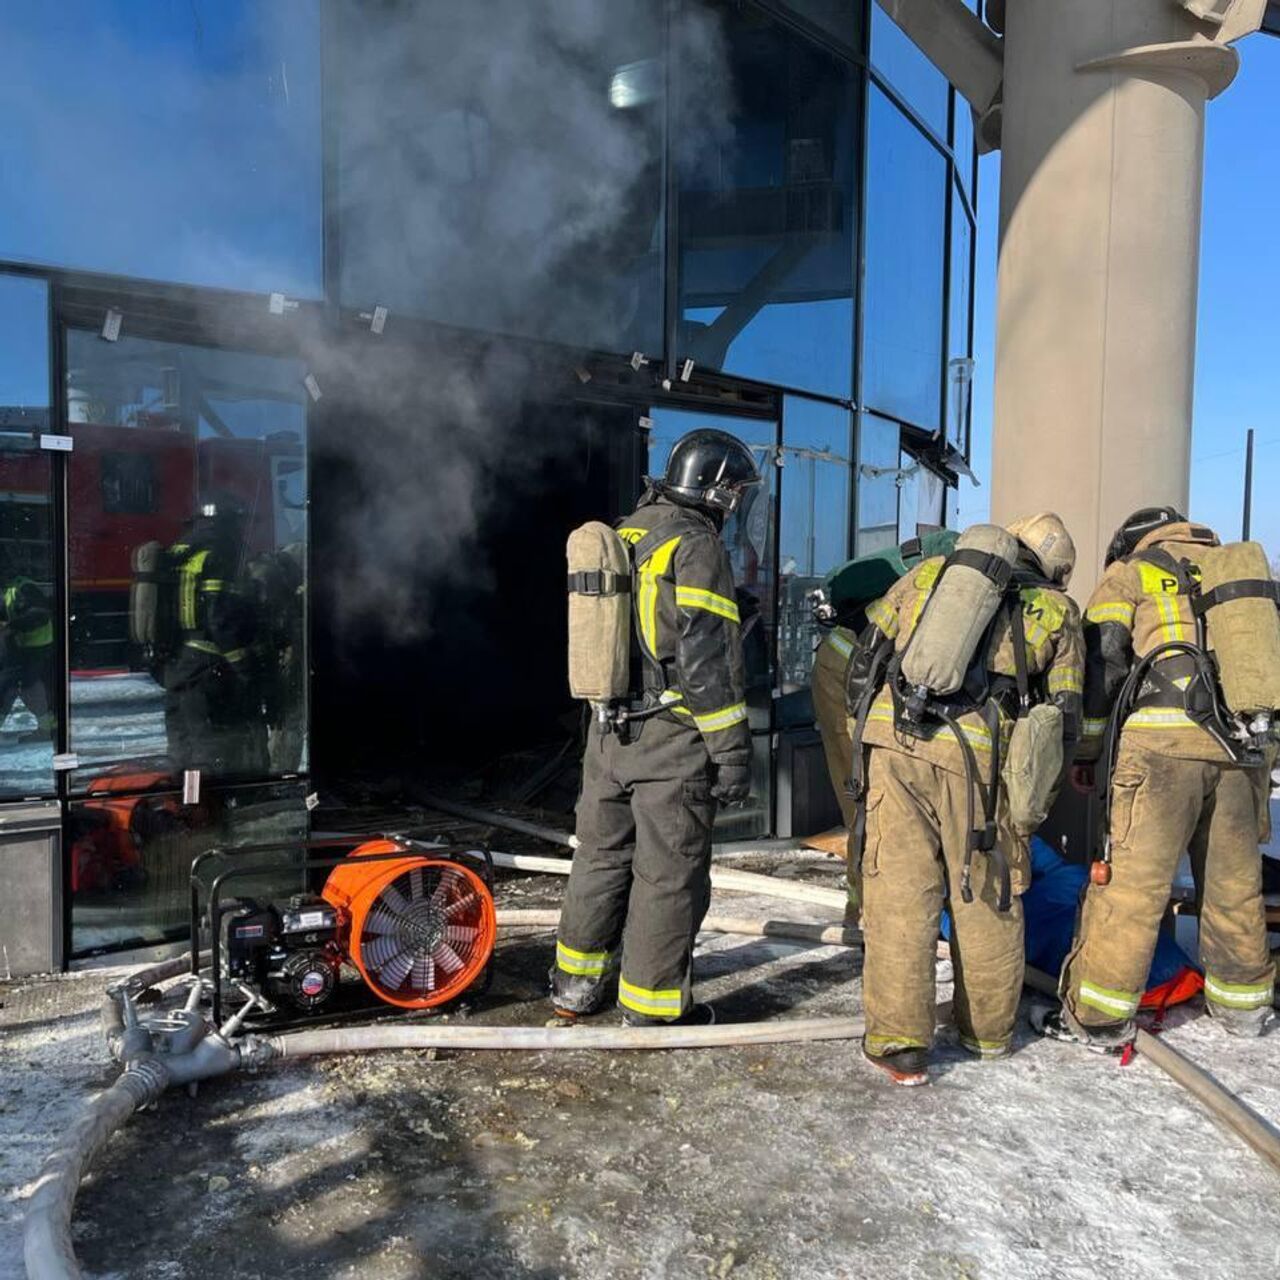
[(420, 929)]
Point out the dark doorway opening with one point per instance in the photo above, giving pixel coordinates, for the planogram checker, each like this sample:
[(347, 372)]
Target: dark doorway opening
[(477, 674)]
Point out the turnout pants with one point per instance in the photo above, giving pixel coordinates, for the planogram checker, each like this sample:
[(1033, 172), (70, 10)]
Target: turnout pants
[(1161, 807), (641, 878), (829, 665), (917, 834)]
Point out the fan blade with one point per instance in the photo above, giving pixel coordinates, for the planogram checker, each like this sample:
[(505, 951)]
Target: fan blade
[(447, 958), (442, 889), (460, 933), (394, 899), (392, 973), (424, 974), (379, 950), (415, 883), (380, 921), (461, 904)]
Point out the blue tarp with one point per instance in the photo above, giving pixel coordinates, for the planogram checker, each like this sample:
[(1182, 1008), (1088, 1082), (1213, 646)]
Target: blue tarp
[(1049, 908)]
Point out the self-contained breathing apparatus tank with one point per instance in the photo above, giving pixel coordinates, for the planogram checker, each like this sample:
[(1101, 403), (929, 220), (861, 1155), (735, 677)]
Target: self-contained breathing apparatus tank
[(1240, 605), (960, 610), (599, 616)]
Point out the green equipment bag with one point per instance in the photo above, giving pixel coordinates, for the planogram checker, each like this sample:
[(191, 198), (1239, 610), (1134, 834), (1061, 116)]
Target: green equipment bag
[(853, 586)]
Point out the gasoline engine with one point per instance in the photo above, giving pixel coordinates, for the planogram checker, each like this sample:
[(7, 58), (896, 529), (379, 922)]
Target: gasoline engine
[(418, 928)]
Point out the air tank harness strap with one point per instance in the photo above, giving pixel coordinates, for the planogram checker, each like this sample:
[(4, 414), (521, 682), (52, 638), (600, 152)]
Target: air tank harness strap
[(856, 787), (1243, 589), (991, 566), (600, 582), (983, 839)]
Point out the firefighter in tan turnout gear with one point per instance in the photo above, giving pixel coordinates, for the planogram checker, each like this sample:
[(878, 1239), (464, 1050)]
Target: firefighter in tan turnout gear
[(657, 762), (1184, 774), (939, 828)]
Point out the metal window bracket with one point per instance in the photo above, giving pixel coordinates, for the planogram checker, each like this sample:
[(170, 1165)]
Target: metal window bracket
[(111, 324)]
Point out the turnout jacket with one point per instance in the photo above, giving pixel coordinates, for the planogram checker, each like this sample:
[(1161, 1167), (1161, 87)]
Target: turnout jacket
[(1055, 665), (1137, 606), (687, 623)]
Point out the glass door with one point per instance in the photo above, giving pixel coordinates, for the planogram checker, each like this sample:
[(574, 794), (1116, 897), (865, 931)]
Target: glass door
[(30, 630)]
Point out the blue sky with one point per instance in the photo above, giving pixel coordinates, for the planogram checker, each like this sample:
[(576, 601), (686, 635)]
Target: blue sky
[(1238, 358)]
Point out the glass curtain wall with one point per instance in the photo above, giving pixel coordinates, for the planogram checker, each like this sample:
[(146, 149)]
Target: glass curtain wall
[(187, 558), (500, 165), (166, 141), (916, 368), (29, 624), (768, 207), (817, 474)]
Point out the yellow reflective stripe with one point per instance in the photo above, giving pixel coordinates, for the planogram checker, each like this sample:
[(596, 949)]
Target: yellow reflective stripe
[(839, 640), (235, 655), (188, 575), (884, 616), (986, 1048), (1123, 1004), (662, 1004), (631, 534), (725, 718), (1171, 624), (978, 737), (879, 1044), (1237, 995), (697, 598), (1160, 718), (1066, 680), (672, 700), (1111, 611), (585, 964), (647, 604), (213, 584), (203, 646), (1095, 726)]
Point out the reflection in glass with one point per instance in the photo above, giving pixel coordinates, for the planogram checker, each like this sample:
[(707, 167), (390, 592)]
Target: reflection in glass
[(187, 559), (962, 143), (767, 216), (895, 55), (878, 484), (959, 366), (813, 526), (906, 226), (129, 855), (749, 536), (167, 141), (500, 165), (28, 628), (921, 495)]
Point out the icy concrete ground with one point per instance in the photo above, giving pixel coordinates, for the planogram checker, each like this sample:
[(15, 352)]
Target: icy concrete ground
[(787, 1161)]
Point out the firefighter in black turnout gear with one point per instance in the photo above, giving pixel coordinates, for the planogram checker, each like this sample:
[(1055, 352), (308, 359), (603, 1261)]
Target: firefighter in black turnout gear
[(652, 777), (212, 708)]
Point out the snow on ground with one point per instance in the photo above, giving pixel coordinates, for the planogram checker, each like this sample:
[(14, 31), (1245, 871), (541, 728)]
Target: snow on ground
[(772, 1162)]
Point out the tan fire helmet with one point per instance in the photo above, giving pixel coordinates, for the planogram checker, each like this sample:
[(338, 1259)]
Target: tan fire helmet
[(1046, 537)]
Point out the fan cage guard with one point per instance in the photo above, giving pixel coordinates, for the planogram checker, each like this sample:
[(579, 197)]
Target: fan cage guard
[(421, 929)]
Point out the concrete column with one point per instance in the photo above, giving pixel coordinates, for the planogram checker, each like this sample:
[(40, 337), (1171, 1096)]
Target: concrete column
[(1100, 200)]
